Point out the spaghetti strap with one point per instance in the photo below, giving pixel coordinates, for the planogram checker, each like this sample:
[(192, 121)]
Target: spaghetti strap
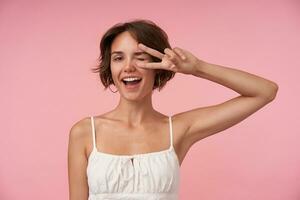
[(171, 132), (93, 133)]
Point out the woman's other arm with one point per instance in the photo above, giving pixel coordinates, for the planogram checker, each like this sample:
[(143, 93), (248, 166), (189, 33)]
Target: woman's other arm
[(77, 163)]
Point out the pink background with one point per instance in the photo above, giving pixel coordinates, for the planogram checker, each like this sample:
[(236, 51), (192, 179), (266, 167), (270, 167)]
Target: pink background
[(47, 49)]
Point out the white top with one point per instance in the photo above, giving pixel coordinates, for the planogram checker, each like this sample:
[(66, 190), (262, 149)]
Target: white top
[(147, 176)]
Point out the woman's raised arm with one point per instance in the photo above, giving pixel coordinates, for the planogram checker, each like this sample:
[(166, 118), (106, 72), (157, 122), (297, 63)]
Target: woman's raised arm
[(255, 92)]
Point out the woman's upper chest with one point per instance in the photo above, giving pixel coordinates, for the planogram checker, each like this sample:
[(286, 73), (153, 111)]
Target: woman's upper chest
[(119, 138), (115, 137)]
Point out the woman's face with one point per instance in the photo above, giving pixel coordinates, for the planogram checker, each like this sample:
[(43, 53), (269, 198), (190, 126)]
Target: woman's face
[(124, 56)]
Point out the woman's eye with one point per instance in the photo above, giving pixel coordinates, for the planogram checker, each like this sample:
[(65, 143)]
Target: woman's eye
[(120, 58), (117, 58)]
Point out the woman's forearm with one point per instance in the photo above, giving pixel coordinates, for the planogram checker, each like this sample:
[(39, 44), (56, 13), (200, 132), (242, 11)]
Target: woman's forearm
[(242, 82)]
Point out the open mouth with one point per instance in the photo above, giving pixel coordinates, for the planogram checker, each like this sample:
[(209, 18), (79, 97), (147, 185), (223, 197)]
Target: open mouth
[(131, 82)]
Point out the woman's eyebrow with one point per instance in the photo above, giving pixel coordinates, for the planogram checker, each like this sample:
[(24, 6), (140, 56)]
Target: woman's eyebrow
[(135, 53)]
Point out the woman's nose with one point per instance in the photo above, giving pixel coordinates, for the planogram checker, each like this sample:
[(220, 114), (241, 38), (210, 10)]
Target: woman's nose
[(130, 66)]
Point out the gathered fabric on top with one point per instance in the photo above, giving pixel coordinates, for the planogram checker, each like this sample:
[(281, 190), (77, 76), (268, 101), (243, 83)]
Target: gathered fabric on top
[(147, 176)]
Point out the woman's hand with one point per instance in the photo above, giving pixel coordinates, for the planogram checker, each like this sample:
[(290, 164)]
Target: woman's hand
[(176, 60)]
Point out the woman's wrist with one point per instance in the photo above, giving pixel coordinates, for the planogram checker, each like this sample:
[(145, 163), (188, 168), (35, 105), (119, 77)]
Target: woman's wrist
[(200, 68)]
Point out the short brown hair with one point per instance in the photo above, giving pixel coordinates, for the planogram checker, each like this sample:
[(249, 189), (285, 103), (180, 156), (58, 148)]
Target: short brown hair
[(144, 31)]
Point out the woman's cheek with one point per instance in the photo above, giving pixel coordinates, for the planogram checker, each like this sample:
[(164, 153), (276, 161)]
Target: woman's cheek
[(114, 74)]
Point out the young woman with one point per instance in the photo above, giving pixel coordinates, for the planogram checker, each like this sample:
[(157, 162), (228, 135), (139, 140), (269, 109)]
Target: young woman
[(134, 151)]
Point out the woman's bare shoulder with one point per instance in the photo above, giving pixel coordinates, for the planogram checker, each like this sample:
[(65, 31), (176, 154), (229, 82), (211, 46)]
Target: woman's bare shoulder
[(80, 128), (83, 127)]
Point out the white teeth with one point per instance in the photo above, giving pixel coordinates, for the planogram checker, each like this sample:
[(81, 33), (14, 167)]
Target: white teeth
[(131, 79)]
